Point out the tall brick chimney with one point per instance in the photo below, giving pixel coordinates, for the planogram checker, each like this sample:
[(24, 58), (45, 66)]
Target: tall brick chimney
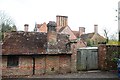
[(26, 26), (81, 31), (95, 28), (62, 21), (51, 32)]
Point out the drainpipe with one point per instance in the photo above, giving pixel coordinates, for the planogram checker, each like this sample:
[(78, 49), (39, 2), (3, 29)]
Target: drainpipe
[(33, 65)]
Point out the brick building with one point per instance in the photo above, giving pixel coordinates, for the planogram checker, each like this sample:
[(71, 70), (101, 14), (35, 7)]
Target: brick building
[(91, 39), (35, 53), (76, 42), (63, 28), (40, 27)]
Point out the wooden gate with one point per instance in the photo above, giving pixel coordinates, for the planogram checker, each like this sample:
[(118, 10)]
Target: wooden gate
[(87, 58)]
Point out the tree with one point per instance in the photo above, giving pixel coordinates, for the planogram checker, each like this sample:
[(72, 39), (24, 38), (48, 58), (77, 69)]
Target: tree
[(112, 39), (106, 35), (4, 18), (89, 43), (114, 36), (6, 24)]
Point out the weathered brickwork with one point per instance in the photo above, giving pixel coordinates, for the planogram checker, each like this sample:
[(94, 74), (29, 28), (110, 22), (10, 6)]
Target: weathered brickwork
[(44, 64), (52, 64), (74, 57), (65, 64), (40, 65), (106, 54), (4, 62), (67, 30), (61, 21), (102, 57), (43, 28), (24, 68), (25, 65), (38, 53), (52, 37)]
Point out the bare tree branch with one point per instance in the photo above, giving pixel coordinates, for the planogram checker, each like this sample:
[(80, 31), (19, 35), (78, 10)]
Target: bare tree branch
[(5, 19), (6, 24), (106, 34)]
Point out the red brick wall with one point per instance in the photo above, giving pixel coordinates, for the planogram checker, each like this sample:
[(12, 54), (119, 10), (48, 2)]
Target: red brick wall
[(106, 54), (24, 68), (74, 47), (102, 57), (40, 65), (43, 28), (65, 64), (25, 65), (58, 28), (73, 57), (48, 64), (80, 44), (52, 37), (52, 64), (67, 30)]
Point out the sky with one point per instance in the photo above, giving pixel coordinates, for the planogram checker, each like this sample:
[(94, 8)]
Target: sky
[(81, 13)]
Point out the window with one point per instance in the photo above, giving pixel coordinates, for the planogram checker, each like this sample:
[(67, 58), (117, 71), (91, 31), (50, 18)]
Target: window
[(12, 61)]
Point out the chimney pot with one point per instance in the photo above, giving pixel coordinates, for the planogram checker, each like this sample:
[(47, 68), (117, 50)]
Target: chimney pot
[(62, 21), (26, 27), (95, 28), (51, 26)]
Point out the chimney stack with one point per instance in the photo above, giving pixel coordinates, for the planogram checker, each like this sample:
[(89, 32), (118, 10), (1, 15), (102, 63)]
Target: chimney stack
[(81, 31), (62, 21), (51, 32), (26, 27), (51, 26), (95, 28)]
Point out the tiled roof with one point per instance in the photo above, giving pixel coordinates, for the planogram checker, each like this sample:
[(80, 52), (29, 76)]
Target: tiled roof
[(59, 46), (90, 36), (67, 30), (87, 36), (39, 25), (17, 43), (61, 29), (24, 43), (62, 41), (76, 33)]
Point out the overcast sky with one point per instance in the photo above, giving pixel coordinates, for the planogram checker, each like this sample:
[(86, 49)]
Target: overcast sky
[(81, 13)]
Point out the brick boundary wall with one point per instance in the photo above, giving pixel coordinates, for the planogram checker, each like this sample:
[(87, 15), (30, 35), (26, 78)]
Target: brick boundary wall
[(74, 58), (105, 56)]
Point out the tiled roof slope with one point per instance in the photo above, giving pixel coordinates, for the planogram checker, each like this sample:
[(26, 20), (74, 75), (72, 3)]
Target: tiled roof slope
[(24, 43), (92, 36), (87, 36), (18, 43), (76, 33)]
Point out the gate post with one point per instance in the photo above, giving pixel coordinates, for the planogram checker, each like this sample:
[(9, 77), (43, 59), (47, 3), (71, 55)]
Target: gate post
[(102, 57)]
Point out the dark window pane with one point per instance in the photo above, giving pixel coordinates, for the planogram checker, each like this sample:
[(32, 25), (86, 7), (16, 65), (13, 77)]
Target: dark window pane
[(12, 61)]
